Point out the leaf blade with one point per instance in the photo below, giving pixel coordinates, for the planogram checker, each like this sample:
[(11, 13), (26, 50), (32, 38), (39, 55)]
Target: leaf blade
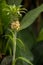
[(30, 17), (24, 59)]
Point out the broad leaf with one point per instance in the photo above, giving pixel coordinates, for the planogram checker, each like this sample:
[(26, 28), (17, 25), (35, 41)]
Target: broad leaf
[(30, 17), (28, 39)]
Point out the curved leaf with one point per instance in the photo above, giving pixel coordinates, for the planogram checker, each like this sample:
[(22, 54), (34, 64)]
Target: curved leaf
[(21, 44), (24, 59), (9, 37), (30, 17)]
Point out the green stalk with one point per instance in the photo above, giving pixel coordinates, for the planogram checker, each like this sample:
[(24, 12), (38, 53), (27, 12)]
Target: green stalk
[(14, 48)]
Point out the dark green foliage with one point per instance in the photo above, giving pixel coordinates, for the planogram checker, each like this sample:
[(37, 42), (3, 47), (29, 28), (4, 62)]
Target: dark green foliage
[(37, 51), (25, 37)]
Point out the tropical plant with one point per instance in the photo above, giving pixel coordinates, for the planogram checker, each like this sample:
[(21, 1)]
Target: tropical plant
[(13, 30)]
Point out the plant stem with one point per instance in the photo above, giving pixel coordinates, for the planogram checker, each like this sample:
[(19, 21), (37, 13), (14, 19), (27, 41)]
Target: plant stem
[(14, 48)]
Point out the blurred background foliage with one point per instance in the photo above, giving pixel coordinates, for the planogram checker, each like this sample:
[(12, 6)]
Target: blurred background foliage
[(31, 36)]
